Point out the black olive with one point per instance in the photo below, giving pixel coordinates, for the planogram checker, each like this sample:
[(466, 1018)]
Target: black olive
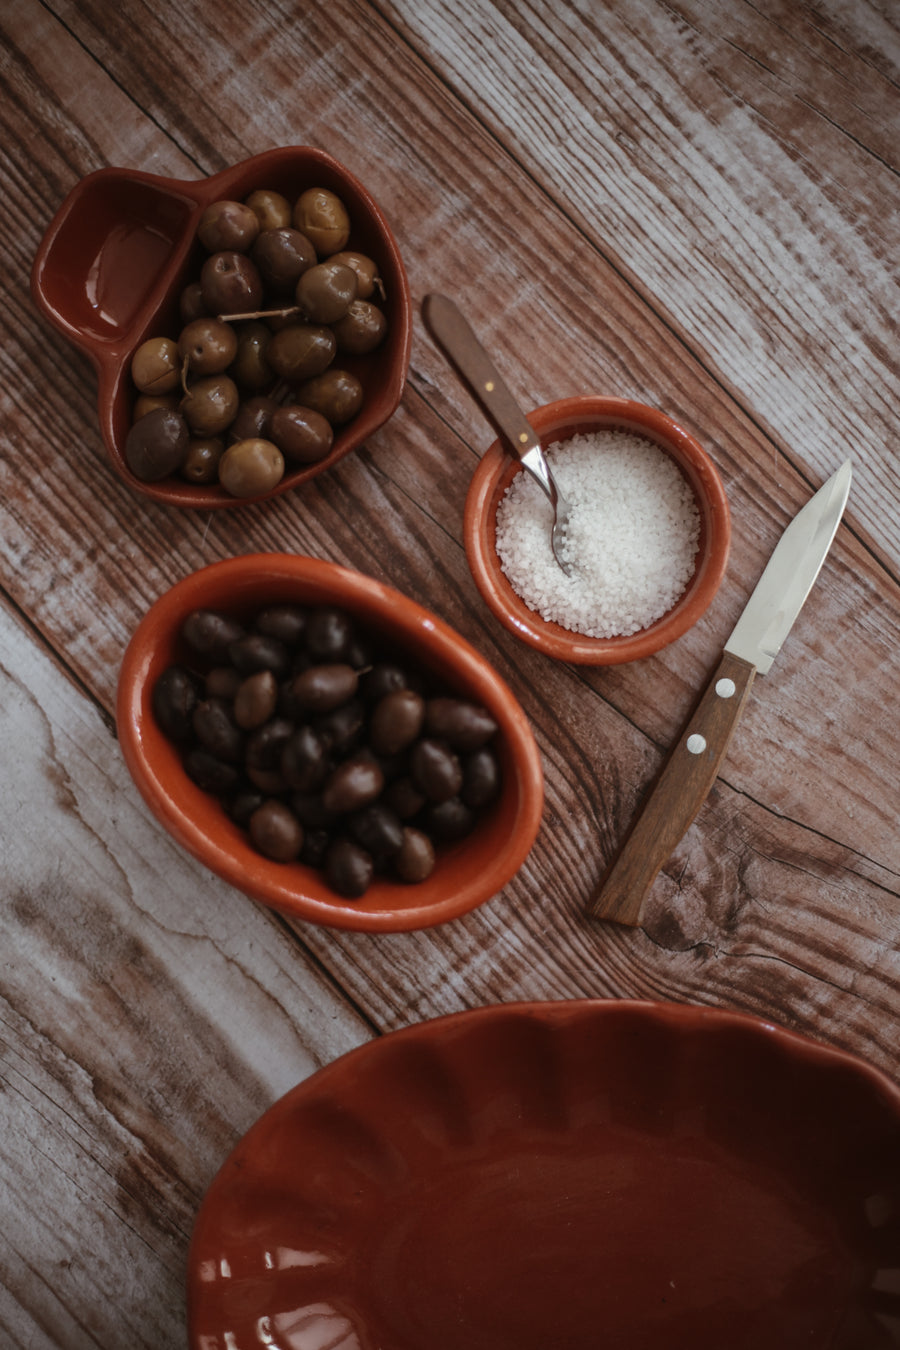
[(348, 868), (435, 770), (175, 696), (276, 831)]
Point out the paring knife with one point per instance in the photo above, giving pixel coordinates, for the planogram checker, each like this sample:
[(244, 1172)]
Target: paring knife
[(693, 764)]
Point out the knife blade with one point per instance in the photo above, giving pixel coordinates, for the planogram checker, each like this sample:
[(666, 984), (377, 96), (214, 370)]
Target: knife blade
[(693, 763)]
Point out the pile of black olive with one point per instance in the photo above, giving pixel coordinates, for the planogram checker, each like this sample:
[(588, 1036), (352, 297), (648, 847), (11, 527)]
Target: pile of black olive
[(253, 381), (324, 749)]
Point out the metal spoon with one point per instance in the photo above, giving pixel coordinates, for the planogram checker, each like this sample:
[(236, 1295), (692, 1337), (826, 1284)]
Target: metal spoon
[(454, 335)]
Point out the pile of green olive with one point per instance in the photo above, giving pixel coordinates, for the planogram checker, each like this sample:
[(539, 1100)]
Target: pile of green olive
[(253, 380), (325, 749)]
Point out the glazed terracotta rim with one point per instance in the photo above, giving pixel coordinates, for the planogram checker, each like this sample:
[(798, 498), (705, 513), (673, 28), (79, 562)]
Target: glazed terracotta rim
[(566, 417), (350, 1087), (111, 358), (457, 885), (685, 1018)]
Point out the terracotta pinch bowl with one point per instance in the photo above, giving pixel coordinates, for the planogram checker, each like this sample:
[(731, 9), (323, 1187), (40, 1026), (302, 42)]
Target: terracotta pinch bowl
[(113, 263), (559, 421), (467, 873)]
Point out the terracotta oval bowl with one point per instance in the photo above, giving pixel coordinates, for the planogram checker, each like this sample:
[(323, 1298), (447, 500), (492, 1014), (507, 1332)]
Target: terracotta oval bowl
[(559, 1176), (559, 421), (467, 873), (113, 263)]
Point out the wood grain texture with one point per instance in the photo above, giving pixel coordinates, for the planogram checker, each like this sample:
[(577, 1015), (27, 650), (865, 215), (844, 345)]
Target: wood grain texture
[(693, 204), (149, 1015), (739, 165)]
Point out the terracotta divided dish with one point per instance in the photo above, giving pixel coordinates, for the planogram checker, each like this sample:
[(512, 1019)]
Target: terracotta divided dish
[(113, 263), (565, 1176), (468, 871), (561, 420)]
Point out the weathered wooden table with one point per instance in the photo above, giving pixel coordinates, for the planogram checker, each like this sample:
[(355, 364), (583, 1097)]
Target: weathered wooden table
[(693, 204)]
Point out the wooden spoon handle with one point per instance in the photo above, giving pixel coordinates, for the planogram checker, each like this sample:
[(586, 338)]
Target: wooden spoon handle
[(679, 792), (453, 333)]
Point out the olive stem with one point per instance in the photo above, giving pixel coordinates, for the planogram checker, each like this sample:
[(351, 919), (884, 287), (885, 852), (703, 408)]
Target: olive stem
[(286, 313)]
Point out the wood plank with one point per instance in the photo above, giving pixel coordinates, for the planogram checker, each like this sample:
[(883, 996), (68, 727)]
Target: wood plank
[(690, 203), (149, 1016), (740, 168), (395, 510)]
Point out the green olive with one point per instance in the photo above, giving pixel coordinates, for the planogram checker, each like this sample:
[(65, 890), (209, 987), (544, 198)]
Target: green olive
[(302, 350), (145, 403), (366, 269), (361, 329), (210, 405), (207, 346), (250, 468), (281, 257), (202, 462), (155, 366), (250, 368), (271, 209), (336, 394), (227, 225), (322, 217), (254, 419), (302, 435), (190, 304), (326, 292)]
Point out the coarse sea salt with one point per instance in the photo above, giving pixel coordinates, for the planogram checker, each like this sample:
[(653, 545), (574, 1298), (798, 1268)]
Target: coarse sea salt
[(632, 539)]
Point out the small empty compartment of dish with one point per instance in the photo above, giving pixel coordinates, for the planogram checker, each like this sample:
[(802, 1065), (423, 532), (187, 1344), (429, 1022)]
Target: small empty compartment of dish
[(113, 245)]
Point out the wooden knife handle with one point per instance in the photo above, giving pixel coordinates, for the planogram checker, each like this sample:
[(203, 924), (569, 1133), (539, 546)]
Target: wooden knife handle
[(678, 794)]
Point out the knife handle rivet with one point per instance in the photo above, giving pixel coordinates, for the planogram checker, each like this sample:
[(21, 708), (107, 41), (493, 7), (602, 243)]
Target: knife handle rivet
[(696, 744), (725, 688)]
